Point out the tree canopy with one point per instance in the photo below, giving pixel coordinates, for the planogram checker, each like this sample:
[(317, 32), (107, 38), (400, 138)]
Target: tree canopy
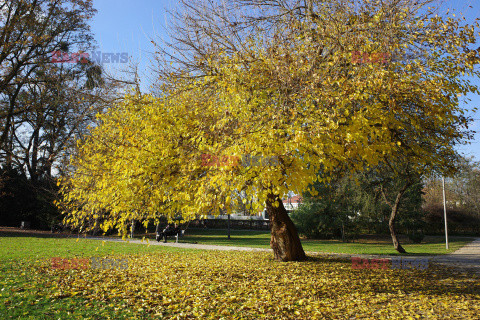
[(276, 79)]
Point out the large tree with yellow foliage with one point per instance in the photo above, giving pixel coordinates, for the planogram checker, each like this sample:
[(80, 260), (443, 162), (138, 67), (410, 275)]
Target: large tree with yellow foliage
[(316, 84)]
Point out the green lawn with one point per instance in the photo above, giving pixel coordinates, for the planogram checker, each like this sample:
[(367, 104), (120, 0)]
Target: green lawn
[(383, 246), (25, 293), (169, 283), (20, 246)]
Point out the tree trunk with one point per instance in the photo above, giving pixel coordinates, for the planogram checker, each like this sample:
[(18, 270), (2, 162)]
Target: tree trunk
[(284, 241), (391, 221), (8, 118), (396, 243), (35, 147)]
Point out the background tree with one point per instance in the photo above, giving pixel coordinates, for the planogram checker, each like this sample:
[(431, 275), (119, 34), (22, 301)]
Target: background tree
[(46, 103), (30, 31), (394, 183), (462, 206), (354, 203), (463, 186), (330, 213)]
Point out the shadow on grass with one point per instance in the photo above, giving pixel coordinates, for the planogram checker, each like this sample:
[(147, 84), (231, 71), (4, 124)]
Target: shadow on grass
[(436, 280), (34, 234)]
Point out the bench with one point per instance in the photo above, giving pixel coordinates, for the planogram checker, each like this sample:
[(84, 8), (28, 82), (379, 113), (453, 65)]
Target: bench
[(176, 232)]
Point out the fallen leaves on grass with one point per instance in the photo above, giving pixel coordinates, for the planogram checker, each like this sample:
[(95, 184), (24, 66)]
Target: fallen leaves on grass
[(216, 285)]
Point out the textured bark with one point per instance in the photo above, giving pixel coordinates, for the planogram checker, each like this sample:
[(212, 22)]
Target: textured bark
[(284, 241), (396, 243), (391, 221)]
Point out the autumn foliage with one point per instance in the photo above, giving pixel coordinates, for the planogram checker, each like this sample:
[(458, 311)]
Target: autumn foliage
[(291, 92)]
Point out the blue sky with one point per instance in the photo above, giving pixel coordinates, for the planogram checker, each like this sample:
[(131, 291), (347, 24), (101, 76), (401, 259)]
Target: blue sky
[(130, 25)]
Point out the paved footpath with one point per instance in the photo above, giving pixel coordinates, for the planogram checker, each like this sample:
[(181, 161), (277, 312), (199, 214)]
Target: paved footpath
[(182, 245), (467, 257)]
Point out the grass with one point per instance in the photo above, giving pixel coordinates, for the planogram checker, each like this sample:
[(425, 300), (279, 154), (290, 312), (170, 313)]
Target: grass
[(17, 246), (24, 294), (431, 245), (27, 294), (168, 283)]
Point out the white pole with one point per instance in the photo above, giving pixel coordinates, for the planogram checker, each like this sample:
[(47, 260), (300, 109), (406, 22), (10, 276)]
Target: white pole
[(445, 213)]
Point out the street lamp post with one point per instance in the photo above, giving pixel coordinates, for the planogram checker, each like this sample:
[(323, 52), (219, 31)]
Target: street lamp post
[(229, 226), (445, 213)]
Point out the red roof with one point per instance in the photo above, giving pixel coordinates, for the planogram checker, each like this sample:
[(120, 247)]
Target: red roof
[(294, 199)]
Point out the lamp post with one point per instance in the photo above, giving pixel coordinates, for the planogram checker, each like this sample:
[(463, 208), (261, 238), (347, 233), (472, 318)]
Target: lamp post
[(445, 213), (229, 226)]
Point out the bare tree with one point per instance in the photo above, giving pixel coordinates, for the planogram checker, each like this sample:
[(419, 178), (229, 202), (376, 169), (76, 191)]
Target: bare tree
[(30, 31)]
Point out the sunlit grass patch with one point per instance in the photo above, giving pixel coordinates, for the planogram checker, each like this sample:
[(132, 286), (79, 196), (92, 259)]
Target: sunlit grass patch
[(25, 247)]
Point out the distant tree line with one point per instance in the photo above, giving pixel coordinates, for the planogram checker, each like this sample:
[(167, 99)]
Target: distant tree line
[(353, 204), (45, 107)]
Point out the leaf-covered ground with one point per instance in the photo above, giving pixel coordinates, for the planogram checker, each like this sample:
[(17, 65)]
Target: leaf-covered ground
[(235, 285)]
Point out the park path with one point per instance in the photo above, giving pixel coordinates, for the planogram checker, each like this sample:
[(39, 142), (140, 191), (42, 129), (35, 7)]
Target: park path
[(182, 245), (467, 257)]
